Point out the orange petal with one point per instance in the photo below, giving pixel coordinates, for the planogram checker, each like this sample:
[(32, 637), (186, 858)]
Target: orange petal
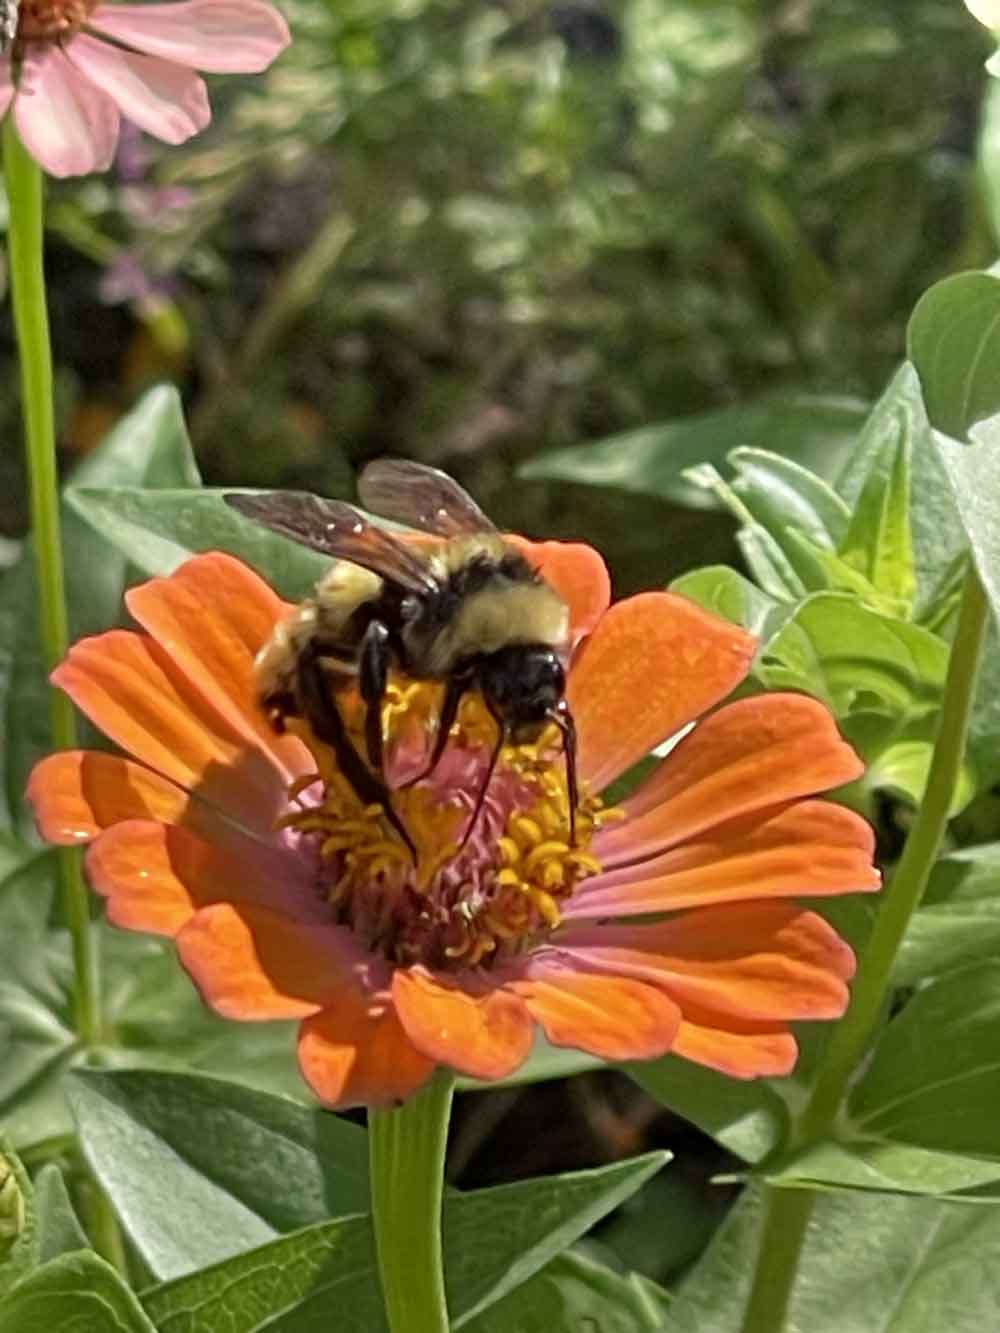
[(356, 1053), (612, 1017), (655, 662), (155, 877), (257, 965), (212, 616), (807, 849), (578, 573), (77, 793), (751, 754), (739, 1050), (485, 1036), (759, 961), (131, 689)]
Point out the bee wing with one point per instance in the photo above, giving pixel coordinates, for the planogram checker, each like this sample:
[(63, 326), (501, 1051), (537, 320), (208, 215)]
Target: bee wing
[(421, 497), (337, 530)]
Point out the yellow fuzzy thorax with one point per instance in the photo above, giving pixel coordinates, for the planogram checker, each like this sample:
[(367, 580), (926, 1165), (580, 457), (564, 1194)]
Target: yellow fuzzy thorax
[(457, 906)]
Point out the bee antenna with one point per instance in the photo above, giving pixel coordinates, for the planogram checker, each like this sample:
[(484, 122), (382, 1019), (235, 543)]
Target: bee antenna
[(563, 719), (502, 733)]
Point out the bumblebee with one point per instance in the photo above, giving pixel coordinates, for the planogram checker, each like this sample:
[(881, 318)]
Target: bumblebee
[(467, 609)]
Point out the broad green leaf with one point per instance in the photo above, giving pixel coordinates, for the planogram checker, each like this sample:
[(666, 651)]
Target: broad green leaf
[(879, 541), (493, 1241), (74, 1293), (748, 1118), (18, 1221), (200, 1169), (573, 1294), (899, 422), (59, 1230), (974, 472), (159, 532), (953, 339), (813, 430), (782, 494), (870, 1264), (959, 919), (147, 448), (883, 1166), (934, 1079)]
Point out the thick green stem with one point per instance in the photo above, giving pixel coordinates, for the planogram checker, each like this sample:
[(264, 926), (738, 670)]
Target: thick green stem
[(406, 1162), (788, 1210), (31, 324), (784, 1230)]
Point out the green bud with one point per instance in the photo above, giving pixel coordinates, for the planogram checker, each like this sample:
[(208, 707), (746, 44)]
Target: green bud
[(11, 1207)]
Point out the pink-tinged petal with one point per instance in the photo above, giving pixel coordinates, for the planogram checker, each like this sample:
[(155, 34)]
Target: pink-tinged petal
[(612, 1017), (133, 691), (356, 1053), (486, 1035), (218, 36), (654, 662), (759, 961), (751, 754), (212, 617), (168, 101), (808, 849), (257, 965), (578, 573), (739, 1050), (156, 877), (78, 793), (67, 125)]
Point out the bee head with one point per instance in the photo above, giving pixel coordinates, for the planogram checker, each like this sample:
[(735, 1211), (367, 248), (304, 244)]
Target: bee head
[(523, 685)]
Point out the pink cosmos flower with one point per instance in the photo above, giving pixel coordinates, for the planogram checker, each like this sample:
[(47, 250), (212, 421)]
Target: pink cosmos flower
[(76, 67)]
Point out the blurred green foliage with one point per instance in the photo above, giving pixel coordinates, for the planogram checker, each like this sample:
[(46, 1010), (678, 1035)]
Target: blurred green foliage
[(469, 232)]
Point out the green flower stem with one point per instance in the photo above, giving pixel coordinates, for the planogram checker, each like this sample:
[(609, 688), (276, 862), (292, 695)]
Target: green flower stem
[(406, 1163), (31, 324), (788, 1210)]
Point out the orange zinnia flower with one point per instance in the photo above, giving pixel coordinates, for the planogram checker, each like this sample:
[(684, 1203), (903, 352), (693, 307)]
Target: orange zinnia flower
[(289, 900)]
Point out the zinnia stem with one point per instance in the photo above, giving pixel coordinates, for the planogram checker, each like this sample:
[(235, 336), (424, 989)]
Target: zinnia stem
[(406, 1162), (788, 1209), (31, 323)]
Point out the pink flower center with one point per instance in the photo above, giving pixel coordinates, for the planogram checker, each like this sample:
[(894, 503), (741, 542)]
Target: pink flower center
[(474, 895)]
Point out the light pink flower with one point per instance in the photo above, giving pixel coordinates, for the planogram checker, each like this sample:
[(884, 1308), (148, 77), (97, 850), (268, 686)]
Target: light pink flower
[(77, 66)]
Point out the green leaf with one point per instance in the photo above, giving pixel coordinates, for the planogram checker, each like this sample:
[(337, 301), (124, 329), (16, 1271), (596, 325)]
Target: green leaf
[(959, 919), (898, 422), (59, 1230), (493, 1239), (150, 448), (545, 1062), (18, 1220), (953, 339), (814, 430), (720, 589), (974, 472), (75, 1293), (200, 1169), (934, 1079), (573, 1294), (870, 1264), (158, 532), (748, 1118), (883, 1166), (879, 540), (782, 494)]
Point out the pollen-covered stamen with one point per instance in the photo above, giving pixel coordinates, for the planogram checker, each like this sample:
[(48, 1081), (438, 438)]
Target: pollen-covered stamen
[(50, 20), (474, 895)]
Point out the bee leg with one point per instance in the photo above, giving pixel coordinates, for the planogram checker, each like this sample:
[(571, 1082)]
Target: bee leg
[(323, 715), (563, 719), (373, 675), (503, 735), (454, 691)]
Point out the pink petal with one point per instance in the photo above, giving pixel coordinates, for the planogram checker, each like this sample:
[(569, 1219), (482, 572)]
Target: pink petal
[(219, 36), (68, 126), (164, 99)]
